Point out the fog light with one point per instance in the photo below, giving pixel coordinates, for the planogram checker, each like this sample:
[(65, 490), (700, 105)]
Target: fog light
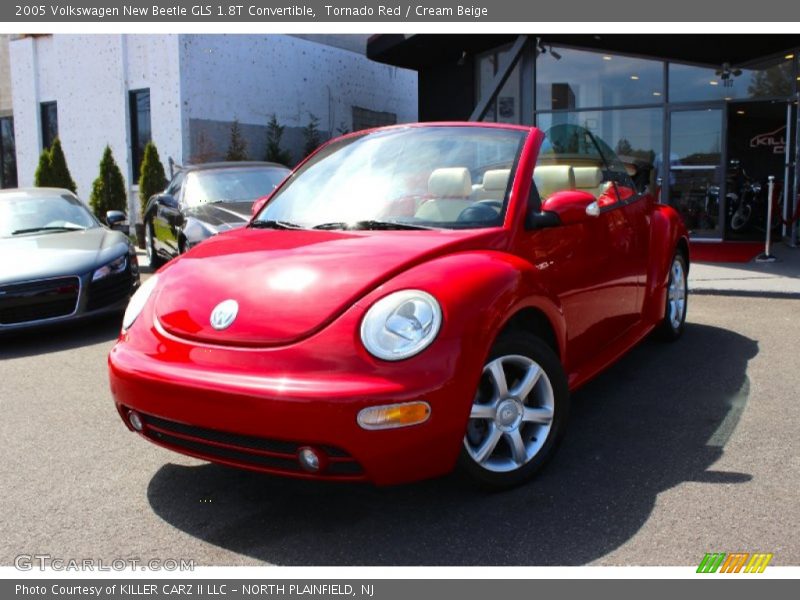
[(135, 420), (309, 460), (391, 416)]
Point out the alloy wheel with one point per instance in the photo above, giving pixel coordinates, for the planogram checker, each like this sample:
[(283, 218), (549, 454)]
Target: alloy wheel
[(677, 294), (511, 415)]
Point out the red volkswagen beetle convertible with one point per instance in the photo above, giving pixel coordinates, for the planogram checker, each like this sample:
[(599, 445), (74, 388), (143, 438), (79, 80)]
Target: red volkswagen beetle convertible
[(410, 299)]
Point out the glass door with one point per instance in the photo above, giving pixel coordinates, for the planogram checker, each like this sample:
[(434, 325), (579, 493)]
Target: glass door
[(693, 178)]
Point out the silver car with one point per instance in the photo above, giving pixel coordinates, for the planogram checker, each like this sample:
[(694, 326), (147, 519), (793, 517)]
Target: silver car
[(58, 262)]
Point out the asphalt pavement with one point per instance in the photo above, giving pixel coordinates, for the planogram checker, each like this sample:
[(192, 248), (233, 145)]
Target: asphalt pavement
[(678, 450)]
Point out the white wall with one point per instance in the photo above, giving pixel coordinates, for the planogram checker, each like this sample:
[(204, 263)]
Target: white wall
[(249, 77), (206, 77), (89, 76)]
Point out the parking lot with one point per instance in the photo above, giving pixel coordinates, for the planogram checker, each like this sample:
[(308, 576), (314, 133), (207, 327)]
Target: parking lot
[(676, 451)]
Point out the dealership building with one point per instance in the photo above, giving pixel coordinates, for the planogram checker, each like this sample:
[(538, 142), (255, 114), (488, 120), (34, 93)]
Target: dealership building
[(679, 108), (184, 91)]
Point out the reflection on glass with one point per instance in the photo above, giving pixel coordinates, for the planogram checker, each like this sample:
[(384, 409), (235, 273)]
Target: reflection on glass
[(694, 173), (506, 108), (589, 79), (689, 83), (635, 135)]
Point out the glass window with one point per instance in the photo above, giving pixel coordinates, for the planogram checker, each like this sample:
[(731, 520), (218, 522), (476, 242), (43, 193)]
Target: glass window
[(8, 154), (49, 112), (689, 83), (568, 79), (24, 213), (635, 135), (573, 159), (506, 107), (139, 104), (231, 184)]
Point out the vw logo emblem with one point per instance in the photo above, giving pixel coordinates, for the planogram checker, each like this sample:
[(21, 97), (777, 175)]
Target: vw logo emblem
[(224, 314)]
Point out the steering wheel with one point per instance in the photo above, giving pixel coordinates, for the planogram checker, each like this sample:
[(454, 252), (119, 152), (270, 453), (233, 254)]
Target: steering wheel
[(480, 211)]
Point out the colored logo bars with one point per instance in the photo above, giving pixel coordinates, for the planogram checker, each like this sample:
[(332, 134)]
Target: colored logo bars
[(734, 563)]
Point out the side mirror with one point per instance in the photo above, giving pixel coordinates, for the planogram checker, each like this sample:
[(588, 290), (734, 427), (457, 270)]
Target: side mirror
[(167, 200), (572, 206), (115, 218)]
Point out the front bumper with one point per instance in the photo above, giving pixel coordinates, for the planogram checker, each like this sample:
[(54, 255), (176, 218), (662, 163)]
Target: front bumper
[(92, 299), (254, 408)]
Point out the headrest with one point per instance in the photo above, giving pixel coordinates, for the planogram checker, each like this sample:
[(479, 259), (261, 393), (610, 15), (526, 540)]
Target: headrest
[(550, 179), (452, 182), (588, 177), (496, 179)]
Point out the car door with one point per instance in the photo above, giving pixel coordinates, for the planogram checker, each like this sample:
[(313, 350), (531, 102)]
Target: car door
[(168, 217), (630, 230), (585, 263)]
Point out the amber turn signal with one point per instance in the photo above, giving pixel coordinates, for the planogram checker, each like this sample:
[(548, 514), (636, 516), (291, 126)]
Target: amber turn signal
[(392, 416)]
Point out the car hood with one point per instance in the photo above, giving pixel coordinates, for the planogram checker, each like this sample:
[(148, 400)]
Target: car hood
[(290, 283), (222, 216), (56, 254)]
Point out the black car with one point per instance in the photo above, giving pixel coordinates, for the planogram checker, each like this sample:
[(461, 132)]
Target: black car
[(58, 262), (203, 200)]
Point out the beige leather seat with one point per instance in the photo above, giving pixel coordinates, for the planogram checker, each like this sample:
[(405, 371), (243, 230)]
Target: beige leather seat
[(550, 179), (589, 179), (495, 182), (450, 190)]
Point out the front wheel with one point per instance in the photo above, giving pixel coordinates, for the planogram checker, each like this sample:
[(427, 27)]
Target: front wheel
[(674, 320), (518, 413)]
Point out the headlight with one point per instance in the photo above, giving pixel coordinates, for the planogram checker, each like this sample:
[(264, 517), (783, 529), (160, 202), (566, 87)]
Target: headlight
[(138, 300), (401, 324), (117, 265)]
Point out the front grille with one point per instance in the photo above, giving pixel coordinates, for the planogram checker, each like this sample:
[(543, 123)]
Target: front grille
[(38, 300), (274, 456), (110, 290)]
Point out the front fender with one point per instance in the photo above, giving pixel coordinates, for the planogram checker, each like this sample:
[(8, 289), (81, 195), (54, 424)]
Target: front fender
[(194, 231), (667, 234), (479, 292)]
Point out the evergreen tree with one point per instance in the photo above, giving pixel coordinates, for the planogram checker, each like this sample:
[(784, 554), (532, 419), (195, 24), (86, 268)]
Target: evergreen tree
[(311, 135), (59, 171), (237, 147), (44, 171), (108, 190), (152, 178), (274, 135)]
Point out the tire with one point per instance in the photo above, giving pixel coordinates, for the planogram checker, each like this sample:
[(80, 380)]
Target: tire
[(674, 321), (154, 261), (535, 421), (741, 218)]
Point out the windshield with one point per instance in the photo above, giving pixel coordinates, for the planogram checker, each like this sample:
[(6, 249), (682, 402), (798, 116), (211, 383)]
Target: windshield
[(245, 184), (27, 213), (442, 177)]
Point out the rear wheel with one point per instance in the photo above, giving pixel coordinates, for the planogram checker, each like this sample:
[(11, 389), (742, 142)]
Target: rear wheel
[(518, 413), (153, 259), (672, 325)]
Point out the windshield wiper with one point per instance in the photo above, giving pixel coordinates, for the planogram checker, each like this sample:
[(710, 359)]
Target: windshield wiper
[(370, 225), (37, 229), (274, 225)]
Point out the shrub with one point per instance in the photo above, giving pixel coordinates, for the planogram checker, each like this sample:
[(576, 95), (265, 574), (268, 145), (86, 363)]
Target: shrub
[(274, 135), (58, 168), (311, 135), (44, 172), (237, 147), (152, 178), (108, 190), (52, 170)]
